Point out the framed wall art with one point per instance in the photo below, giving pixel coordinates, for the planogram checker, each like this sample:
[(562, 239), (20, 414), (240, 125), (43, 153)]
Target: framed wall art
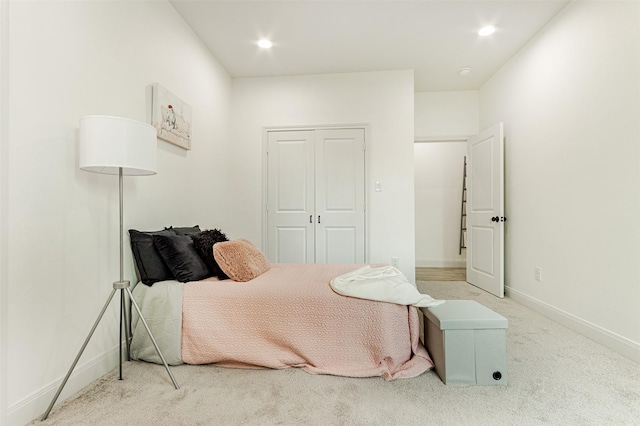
[(171, 116)]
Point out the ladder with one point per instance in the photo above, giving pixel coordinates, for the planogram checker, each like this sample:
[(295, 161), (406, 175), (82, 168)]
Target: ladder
[(463, 212)]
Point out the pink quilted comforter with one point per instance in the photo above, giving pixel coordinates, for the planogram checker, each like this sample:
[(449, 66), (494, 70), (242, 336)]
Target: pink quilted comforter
[(290, 317)]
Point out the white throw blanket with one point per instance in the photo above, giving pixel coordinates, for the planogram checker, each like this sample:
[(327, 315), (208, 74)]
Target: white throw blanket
[(384, 284)]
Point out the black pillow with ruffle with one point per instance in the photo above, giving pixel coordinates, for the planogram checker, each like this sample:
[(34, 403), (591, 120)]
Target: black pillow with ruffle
[(204, 242)]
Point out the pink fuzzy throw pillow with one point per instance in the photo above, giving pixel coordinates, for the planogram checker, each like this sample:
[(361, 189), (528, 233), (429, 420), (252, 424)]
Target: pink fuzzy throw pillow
[(240, 259)]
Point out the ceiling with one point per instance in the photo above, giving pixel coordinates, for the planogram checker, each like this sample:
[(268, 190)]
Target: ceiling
[(435, 38)]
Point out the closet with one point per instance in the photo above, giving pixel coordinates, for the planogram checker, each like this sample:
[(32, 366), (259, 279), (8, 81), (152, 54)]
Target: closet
[(315, 196)]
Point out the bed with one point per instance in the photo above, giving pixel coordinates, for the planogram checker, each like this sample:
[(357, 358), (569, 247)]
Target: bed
[(286, 316)]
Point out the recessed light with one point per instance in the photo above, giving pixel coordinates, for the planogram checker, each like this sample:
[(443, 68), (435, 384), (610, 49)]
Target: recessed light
[(464, 71), (265, 44), (488, 30)]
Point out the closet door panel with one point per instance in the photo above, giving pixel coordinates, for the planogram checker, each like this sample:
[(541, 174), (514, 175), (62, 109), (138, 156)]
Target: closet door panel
[(340, 227), (340, 245), (292, 245), (290, 197)]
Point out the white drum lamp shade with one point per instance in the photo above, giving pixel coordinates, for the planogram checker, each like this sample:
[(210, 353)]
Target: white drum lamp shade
[(110, 143)]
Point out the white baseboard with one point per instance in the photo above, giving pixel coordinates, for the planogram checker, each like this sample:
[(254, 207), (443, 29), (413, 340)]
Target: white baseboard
[(34, 405), (441, 263), (620, 344)]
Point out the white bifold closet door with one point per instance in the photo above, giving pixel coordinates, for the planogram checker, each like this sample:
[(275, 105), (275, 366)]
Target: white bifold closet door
[(315, 196)]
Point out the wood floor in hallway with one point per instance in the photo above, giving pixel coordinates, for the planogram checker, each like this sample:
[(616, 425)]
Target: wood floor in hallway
[(441, 274)]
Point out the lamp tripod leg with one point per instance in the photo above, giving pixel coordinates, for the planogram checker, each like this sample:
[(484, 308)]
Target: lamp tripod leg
[(84, 345), (127, 324), (146, 326)]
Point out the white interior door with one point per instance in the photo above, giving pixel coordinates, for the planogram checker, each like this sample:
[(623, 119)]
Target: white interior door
[(290, 200), (485, 210), (340, 196)]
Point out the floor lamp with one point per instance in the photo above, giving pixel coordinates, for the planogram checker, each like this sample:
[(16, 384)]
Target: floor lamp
[(117, 146)]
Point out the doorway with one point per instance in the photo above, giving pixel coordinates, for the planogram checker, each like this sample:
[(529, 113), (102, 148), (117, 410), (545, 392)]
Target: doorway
[(439, 167)]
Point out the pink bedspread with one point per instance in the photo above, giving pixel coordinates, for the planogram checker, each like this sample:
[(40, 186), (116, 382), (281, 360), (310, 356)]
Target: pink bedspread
[(290, 317)]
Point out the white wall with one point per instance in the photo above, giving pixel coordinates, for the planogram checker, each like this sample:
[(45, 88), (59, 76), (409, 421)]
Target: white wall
[(446, 114), (384, 100), (570, 101), (66, 60), (438, 173), (4, 167)]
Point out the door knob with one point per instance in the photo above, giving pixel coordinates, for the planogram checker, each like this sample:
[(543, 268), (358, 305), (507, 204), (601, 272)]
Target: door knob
[(495, 219)]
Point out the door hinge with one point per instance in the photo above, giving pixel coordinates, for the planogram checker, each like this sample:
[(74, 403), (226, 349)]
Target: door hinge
[(364, 146)]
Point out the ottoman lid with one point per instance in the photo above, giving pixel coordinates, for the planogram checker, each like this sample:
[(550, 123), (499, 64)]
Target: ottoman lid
[(464, 315)]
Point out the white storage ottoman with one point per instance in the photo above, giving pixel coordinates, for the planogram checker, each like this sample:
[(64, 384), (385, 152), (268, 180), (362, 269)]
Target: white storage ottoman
[(466, 341)]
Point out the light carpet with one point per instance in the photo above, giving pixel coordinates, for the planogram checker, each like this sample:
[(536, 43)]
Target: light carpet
[(556, 377)]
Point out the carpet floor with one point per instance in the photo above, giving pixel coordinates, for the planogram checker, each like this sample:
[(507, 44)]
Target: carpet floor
[(556, 377)]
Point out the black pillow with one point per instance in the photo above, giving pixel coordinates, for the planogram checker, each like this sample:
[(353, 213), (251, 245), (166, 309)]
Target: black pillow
[(204, 242), (184, 230), (181, 256), (150, 265)]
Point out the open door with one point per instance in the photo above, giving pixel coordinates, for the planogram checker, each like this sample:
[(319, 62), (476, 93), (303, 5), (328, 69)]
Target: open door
[(485, 210)]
